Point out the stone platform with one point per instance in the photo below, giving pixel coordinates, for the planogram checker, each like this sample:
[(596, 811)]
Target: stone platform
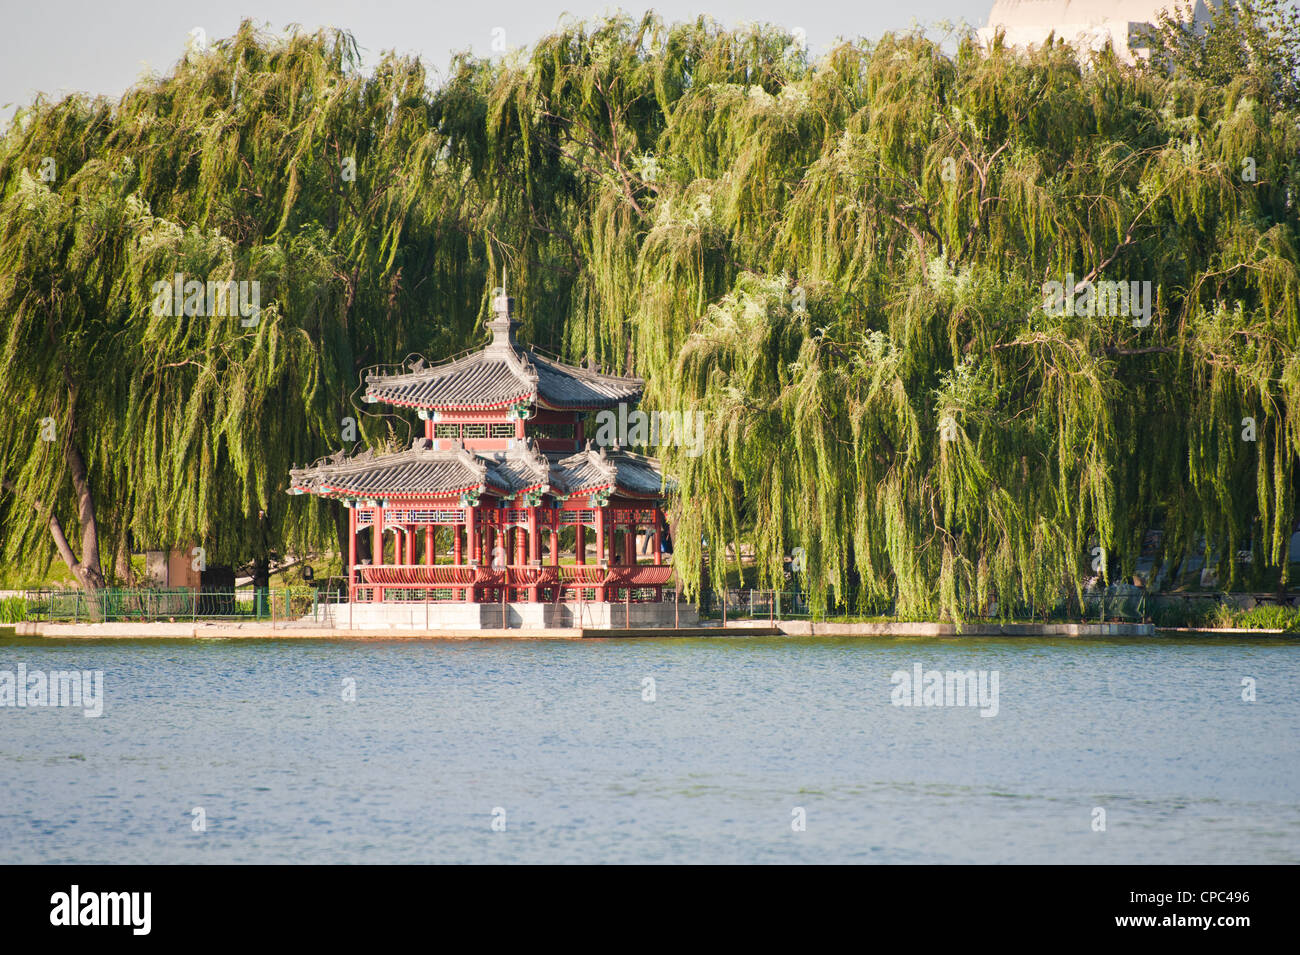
[(512, 616)]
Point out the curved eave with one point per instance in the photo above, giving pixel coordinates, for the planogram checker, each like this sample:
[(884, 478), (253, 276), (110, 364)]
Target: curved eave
[(543, 487), (443, 406), (336, 492), (643, 495), (588, 490), (590, 406)]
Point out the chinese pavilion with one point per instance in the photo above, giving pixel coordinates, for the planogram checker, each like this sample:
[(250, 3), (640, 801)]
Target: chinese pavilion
[(504, 466)]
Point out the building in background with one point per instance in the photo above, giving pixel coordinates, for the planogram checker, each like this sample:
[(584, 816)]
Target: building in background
[(1086, 24)]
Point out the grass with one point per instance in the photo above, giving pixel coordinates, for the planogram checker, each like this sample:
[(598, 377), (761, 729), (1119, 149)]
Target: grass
[(1267, 617), (13, 609)]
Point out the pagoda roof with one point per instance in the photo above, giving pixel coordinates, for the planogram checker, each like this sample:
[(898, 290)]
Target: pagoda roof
[(591, 470), (378, 474), (502, 374), (422, 471)]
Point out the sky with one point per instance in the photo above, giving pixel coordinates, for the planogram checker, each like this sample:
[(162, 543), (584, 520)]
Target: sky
[(103, 46)]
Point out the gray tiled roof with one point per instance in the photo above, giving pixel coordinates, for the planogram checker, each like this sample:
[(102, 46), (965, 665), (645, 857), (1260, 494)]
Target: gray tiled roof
[(591, 470), (639, 474), (477, 381), (519, 469), (417, 470), (502, 374), (564, 386), (422, 471)]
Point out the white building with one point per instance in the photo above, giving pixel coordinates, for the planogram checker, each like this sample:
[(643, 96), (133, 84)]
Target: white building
[(1086, 24)]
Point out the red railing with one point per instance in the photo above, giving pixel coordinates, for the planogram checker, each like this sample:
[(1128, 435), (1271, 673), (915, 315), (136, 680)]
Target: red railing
[(459, 575), (652, 575), (592, 575), (421, 575)]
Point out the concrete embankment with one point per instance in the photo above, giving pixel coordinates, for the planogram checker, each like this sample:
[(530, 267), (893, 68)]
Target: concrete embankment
[(297, 631), (304, 630), (264, 631), (971, 629)]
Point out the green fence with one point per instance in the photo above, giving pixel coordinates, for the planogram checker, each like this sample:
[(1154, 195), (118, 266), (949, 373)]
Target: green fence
[(746, 604), (1114, 605), (115, 605)]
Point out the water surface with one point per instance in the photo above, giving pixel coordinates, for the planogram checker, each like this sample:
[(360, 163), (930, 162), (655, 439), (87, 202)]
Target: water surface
[(741, 733)]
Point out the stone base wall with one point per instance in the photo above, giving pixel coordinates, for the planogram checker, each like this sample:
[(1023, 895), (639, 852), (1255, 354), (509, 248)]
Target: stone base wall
[(529, 616)]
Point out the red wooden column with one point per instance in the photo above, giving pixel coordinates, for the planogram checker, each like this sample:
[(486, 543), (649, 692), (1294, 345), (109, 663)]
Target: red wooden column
[(580, 542), (534, 548), (352, 550), (471, 538), (430, 541), (456, 552), (629, 544), (611, 555), (377, 550), (655, 542), (555, 537), (410, 544), (601, 555), (503, 541)]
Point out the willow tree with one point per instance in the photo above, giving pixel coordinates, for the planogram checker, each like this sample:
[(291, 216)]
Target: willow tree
[(848, 275), (265, 159)]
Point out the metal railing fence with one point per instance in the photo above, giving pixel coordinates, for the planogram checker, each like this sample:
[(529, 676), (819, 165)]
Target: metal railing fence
[(114, 604)]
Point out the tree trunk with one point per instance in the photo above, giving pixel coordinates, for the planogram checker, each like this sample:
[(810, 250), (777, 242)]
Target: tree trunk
[(88, 574), (125, 573), (88, 570)]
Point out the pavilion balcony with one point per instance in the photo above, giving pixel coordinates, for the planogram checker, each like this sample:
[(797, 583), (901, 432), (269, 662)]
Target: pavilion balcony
[(469, 583)]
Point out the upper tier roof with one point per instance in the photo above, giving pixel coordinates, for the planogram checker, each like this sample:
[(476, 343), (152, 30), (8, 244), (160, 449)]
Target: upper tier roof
[(502, 374)]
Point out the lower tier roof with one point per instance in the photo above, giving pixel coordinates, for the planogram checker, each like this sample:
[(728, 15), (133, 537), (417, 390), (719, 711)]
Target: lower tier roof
[(421, 471)]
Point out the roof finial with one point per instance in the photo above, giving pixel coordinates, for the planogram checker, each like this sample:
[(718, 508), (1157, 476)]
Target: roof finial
[(502, 309)]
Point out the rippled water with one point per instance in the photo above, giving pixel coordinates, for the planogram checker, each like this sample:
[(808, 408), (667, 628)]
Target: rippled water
[(740, 733)]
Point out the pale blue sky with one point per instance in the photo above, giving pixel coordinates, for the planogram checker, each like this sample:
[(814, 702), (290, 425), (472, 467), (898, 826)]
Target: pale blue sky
[(61, 46)]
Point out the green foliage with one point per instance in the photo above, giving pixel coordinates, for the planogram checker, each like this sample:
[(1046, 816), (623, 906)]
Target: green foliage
[(840, 263), (13, 609), (232, 167), (1266, 617), (1257, 38)]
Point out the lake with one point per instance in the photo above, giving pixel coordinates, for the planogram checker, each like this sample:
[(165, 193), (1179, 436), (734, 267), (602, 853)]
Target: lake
[(721, 750)]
